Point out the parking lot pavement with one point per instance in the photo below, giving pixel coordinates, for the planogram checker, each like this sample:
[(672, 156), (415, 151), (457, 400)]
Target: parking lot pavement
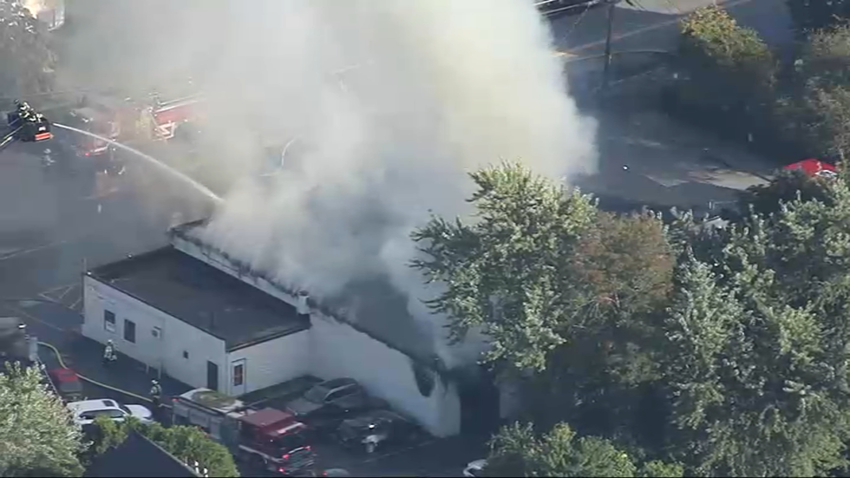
[(126, 380)]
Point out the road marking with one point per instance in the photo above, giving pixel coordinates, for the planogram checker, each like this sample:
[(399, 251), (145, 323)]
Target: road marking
[(77, 302), (69, 289), (66, 287), (647, 28)]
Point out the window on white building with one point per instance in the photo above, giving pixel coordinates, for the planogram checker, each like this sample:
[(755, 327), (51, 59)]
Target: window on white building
[(109, 321), (238, 375), (129, 331)]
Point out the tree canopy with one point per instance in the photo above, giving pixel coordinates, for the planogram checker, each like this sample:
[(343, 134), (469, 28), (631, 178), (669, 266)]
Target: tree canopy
[(518, 451), (728, 66), (720, 349), (37, 435), (812, 15)]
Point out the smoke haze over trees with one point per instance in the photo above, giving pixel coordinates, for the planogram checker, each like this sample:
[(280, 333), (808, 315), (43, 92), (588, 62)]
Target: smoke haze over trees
[(28, 63)]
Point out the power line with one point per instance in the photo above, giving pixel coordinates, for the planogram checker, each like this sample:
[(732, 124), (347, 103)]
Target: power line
[(580, 18)]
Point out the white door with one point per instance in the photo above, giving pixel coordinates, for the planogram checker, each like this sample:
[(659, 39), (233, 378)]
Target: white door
[(238, 377)]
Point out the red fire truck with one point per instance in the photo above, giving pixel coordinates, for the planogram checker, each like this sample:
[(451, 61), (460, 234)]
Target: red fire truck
[(168, 116), (127, 121)]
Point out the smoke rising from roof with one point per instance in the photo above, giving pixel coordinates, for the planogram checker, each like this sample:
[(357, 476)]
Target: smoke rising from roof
[(391, 103)]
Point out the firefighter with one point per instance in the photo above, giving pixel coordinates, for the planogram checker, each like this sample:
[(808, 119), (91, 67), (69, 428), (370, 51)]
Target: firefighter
[(109, 355), (156, 395), (25, 111)]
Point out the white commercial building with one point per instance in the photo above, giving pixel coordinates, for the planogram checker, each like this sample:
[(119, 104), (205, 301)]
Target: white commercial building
[(210, 322)]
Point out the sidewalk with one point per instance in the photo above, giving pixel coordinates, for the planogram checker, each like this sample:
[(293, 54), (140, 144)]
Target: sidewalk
[(125, 380)]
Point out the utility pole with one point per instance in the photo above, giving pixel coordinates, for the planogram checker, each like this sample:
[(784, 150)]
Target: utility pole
[(607, 69)]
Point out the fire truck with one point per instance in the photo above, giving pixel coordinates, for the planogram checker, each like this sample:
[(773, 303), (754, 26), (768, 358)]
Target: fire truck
[(128, 121), (266, 438)]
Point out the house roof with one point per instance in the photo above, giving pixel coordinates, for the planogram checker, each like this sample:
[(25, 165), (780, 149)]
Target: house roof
[(202, 296), (138, 456)]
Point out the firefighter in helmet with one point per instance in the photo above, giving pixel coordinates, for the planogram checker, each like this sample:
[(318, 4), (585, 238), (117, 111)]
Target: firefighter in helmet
[(156, 394)]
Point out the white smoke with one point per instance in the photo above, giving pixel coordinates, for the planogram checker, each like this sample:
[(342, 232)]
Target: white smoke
[(392, 102)]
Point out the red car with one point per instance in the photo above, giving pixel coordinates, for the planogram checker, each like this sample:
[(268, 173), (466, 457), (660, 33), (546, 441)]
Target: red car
[(67, 383), (814, 167)]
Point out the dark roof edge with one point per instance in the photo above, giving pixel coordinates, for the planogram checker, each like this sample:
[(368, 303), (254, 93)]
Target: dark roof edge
[(180, 232), (100, 271), (163, 450), (266, 338)]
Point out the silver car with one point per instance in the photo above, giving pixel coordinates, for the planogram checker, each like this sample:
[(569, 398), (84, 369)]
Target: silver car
[(86, 411)]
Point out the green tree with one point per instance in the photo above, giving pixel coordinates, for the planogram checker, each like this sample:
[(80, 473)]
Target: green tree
[(28, 63), (508, 272), (757, 346), (819, 116), (188, 444), (108, 434), (812, 15), (660, 469), (728, 66), (37, 435), (603, 380), (563, 290), (816, 107), (517, 451)]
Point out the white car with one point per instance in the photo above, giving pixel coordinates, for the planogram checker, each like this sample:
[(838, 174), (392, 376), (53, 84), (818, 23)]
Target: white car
[(86, 411), (474, 468)]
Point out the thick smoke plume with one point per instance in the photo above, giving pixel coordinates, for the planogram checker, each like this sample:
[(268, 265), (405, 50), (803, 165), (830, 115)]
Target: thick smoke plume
[(387, 104)]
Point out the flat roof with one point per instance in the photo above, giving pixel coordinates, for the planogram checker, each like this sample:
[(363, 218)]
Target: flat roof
[(202, 296), (369, 305)]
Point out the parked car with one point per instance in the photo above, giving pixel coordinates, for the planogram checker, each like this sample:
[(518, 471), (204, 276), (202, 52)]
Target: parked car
[(67, 383), (323, 394), (330, 416), (475, 468), (86, 411), (378, 428)]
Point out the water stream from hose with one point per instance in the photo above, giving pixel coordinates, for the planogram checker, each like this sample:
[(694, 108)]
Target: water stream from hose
[(150, 159)]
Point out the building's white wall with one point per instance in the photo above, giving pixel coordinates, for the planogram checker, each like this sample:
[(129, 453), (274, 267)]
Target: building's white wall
[(272, 362), (341, 351), (166, 352), (338, 350)]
